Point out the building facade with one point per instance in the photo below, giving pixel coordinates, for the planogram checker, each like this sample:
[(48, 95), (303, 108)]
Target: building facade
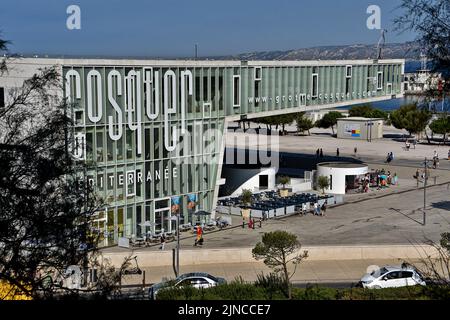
[(152, 131)]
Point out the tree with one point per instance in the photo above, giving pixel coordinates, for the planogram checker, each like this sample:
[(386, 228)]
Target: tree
[(246, 197), (278, 120), (329, 120), (430, 20), (279, 249), (441, 126), (323, 183), (367, 111), (411, 118), (436, 268), (46, 206), (284, 180), (303, 123)]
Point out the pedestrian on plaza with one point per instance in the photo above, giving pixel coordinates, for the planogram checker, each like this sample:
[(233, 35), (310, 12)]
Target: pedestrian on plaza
[(163, 241), (355, 151), (395, 179), (448, 156), (304, 212), (198, 239), (337, 152), (250, 222), (253, 223), (317, 153), (324, 207), (260, 223), (321, 153), (414, 143)]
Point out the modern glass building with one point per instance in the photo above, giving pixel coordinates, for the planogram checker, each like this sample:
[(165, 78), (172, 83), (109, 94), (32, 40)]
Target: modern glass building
[(152, 130)]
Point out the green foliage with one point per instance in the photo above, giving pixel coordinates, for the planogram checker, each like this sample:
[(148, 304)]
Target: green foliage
[(303, 123), (367, 111), (278, 120), (273, 284), (315, 293), (246, 196), (445, 241), (231, 291), (278, 249), (323, 183), (270, 288), (329, 120), (441, 126), (410, 118), (284, 180)]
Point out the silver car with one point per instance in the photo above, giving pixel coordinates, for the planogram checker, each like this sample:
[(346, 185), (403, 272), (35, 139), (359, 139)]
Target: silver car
[(195, 279), (392, 277)]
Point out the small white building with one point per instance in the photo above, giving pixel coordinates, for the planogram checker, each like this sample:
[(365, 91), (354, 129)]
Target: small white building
[(340, 174), (360, 128)]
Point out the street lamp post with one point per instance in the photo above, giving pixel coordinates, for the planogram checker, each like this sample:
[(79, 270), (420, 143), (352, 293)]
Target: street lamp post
[(424, 190), (178, 244)]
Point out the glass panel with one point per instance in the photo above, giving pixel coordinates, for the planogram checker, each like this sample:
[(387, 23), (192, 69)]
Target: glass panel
[(129, 230), (129, 144), (110, 228), (139, 228), (119, 148), (99, 141), (120, 222)]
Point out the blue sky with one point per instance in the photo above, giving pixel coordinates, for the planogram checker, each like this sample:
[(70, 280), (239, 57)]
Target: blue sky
[(170, 28)]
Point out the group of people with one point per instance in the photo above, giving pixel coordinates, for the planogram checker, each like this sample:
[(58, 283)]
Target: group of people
[(317, 209), (379, 179), (319, 153), (389, 157)]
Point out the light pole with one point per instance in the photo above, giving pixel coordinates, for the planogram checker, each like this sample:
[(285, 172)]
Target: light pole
[(424, 190), (178, 244)]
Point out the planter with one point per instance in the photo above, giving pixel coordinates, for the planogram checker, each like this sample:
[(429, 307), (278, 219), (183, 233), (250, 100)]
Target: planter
[(284, 192), (245, 213)]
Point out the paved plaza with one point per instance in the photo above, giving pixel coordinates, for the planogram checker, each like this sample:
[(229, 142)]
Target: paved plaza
[(390, 219), (374, 151)]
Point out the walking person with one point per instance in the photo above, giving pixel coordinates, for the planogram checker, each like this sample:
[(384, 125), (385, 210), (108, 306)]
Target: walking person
[(198, 239), (321, 153), (304, 212), (317, 153), (324, 207), (355, 151), (337, 152), (163, 241)]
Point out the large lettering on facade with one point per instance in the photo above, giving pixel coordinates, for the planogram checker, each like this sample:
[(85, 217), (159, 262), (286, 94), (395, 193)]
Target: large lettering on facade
[(131, 87)]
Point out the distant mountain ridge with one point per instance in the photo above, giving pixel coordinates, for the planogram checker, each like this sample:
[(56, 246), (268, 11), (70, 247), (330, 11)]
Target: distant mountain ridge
[(407, 50)]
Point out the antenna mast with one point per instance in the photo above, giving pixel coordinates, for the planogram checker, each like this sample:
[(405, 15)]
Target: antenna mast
[(381, 42)]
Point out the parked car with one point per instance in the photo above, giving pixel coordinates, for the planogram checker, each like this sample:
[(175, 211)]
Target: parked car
[(196, 279), (392, 277)]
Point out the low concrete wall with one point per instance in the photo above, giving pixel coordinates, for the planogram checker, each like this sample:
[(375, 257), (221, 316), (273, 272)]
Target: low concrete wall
[(202, 256)]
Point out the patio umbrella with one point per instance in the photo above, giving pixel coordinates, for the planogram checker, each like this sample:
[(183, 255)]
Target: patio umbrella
[(147, 224), (202, 213)]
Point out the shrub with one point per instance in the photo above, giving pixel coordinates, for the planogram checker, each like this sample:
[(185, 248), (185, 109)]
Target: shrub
[(273, 284), (315, 293)]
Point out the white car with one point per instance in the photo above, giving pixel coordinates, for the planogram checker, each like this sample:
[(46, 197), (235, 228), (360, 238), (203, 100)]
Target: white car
[(392, 277), (197, 280)]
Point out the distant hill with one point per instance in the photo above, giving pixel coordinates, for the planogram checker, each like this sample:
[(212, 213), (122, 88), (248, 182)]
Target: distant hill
[(407, 50)]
